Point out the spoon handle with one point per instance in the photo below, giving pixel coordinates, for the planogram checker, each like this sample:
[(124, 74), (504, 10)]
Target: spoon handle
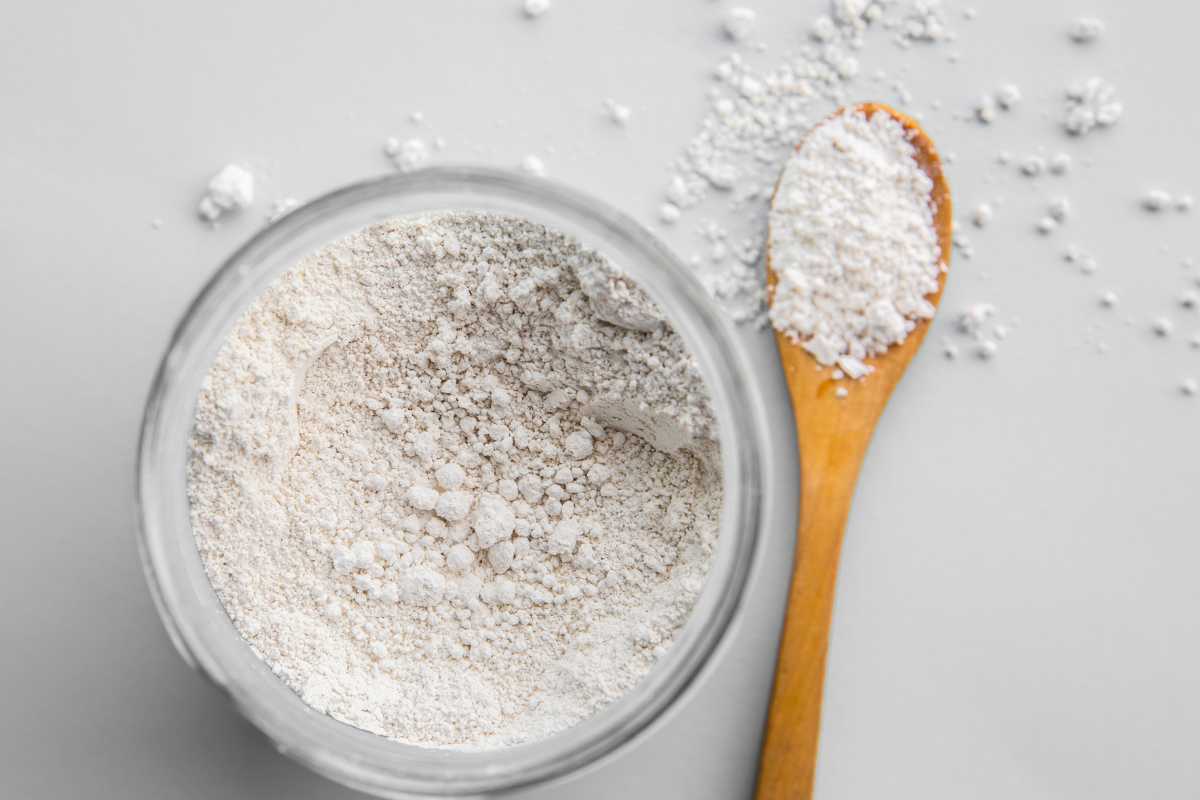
[(830, 457)]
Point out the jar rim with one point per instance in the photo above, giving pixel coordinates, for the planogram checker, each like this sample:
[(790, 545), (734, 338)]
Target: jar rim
[(196, 620)]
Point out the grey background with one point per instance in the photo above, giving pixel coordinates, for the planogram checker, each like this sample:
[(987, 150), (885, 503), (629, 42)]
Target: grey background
[(1017, 612)]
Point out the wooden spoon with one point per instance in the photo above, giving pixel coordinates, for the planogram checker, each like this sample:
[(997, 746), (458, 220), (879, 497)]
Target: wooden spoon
[(833, 434)]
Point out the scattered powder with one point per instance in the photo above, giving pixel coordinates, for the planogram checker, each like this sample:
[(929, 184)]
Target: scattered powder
[(407, 155), (854, 15), (1184, 202), (453, 480), (1086, 30), (739, 22), (1091, 104), (1059, 209), (533, 165), (972, 323), (616, 112), (971, 320), (1162, 327), (985, 109), (982, 215), (853, 241), (1156, 200), (823, 29), (1190, 387), (1060, 164), (1075, 255), (986, 350), (281, 208), (1046, 225), (1189, 300), (535, 8), (1007, 96), (1109, 299), (924, 22), (1033, 166), (962, 243), (230, 190)]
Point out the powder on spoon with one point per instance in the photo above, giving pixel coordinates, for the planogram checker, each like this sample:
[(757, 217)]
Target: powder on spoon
[(853, 241)]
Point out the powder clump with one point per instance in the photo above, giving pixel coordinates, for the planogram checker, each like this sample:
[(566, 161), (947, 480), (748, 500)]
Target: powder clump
[(1091, 104), (230, 190)]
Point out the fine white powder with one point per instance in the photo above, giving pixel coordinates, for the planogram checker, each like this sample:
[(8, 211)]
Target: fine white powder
[(852, 241), (454, 480)]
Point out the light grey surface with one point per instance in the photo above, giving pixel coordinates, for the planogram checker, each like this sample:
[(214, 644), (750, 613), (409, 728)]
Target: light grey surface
[(1017, 614)]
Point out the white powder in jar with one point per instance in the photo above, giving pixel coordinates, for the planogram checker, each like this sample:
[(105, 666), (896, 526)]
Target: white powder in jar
[(852, 240), (454, 479)]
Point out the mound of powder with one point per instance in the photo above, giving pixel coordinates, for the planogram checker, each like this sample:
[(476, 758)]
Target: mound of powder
[(454, 479), (852, 241)]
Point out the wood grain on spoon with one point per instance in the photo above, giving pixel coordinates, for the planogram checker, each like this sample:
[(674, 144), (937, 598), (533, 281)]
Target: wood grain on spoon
[(833, 434)]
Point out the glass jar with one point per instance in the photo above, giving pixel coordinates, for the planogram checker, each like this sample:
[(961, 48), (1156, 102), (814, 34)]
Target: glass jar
[(195, 618)]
